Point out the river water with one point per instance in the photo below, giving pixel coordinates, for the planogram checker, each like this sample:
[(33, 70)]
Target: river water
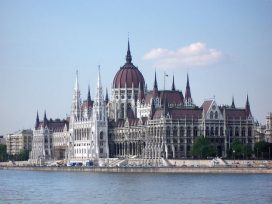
[(86, 187)]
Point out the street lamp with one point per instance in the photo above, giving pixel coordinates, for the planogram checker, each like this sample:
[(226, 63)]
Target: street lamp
[(233, 155)]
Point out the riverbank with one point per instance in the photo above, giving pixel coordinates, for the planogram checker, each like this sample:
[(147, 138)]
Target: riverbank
[(202, 170)]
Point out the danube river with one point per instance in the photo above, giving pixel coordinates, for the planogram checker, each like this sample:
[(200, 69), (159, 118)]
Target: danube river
[(86, 187)]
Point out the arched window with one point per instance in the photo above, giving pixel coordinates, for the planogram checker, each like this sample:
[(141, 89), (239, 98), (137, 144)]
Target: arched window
[(249, 132), (212, 131), (168, 131), (188, 130), (236, 131), (101, 135), (207, 131), (181, 131), (221, 131), (216, 115), (243, 131), (195, 131), (175, 131), (216, 131), (230, 131), (211, 115)]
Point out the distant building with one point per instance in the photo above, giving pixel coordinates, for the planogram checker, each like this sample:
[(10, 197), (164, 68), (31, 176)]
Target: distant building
[(140, 123), (268, 130), (21, 140), (2, 139)]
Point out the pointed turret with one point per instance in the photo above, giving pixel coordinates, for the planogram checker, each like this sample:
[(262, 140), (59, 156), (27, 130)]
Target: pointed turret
[(37, 121), (45, 119), (188, 97), (128, 57), (155, 87), (89, 95), (173, 84), (248, 111), (76, 104), (107, 96), (99, 106), (232, 103)]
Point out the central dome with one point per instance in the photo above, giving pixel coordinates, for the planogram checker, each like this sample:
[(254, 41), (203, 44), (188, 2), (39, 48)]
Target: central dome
[(128, 75)]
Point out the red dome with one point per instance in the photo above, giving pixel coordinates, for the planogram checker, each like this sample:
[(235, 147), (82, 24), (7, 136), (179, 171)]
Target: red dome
[(128, 75)]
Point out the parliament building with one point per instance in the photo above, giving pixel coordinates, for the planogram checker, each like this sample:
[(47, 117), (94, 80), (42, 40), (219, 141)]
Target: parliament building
[(138, 123)]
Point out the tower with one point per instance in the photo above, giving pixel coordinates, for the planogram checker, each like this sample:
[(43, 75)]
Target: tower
[(76, 103), (99, 144), (188, 97)]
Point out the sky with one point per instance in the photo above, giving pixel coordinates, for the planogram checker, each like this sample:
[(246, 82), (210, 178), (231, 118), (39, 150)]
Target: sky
[(224, 46)]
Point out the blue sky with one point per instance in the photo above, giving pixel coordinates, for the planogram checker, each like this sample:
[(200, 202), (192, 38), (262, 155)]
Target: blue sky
[(225, 46)]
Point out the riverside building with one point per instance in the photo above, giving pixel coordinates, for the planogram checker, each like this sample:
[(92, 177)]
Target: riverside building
[(139, 123)]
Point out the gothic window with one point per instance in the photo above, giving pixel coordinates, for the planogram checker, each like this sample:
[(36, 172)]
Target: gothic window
[(216, 131), (101, 150), (188, 131), (207, 131), (249, 132), (230, 131), (243, 132), (212, 131), (221, 131), (216, 115), (101, 135), (181, 131), (175, 131), (195, 131), (236, 131), (168, 131), (211, 115)]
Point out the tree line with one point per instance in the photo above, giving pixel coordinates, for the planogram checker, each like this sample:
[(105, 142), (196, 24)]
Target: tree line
[(23, 155), (203, 149)]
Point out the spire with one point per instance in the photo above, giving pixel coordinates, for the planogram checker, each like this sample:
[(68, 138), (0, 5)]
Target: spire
[(99, 105), (37, 121), (76, 83), (188, 90), (99, 78), (44, 119), (232, 104), (128, 57), (188, 97), (107, 96), (248, 111), (76, 103), (155, 88), (89, 95), (173, 84)]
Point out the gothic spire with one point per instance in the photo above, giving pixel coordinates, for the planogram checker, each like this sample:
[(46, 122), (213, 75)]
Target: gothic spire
[(173, 84), (232, 104), (76, 88), (44, 119), (37, 121), (128, 57), (248, 111), (89, 95), (155, 87), (188, 90), (107, 96)]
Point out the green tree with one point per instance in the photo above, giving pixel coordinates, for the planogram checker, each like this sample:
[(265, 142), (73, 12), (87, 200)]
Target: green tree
[(262, 150), (3, 153), (239, 150), (202, 148)]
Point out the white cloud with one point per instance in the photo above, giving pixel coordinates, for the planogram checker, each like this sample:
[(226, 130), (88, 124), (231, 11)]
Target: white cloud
[(196, 54)]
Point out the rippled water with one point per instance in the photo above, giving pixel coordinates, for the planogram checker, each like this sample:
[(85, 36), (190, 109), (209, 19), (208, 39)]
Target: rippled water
[(74, 187)]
